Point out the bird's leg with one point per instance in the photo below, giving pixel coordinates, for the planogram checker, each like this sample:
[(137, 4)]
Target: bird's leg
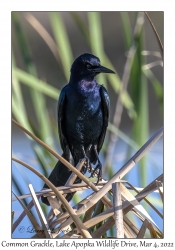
[(98, 167), (88, 163)]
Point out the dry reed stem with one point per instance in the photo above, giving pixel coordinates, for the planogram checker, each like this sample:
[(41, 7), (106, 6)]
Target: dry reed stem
[(118, 212), (155, 31), (109, 212), (44, 34), (32, 219), (100, 217), (105, 227), (152, 231), (50, 216), (54, 202), (128, 231), (109, 223), (55, 205), (62, 189), (40, 213), (145, 191), (71, 190), (131, 225), (71, 180), (73, 176), (142, 230), (159, 185), (67, 236), (147, 201), (73, 215), (137, 206), (88, 214), (22, 215), (65, 215)]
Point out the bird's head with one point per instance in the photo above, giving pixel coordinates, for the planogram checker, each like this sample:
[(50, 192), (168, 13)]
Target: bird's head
[(87, 66)]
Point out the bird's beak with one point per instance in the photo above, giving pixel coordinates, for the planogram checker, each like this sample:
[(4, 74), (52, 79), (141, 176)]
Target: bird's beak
[(101, 69)]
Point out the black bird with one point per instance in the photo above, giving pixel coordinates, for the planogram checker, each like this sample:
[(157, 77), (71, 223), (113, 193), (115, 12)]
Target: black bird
[(83, 111)]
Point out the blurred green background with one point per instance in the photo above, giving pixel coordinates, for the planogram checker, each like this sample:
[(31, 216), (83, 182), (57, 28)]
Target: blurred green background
[(45, 44)]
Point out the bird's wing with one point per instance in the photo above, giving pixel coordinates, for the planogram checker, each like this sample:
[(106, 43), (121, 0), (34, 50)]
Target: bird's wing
[(105, 103), (61, 127)]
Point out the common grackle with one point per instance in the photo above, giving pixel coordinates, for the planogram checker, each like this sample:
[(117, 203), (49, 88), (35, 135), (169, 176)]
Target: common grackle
[(83, 111)]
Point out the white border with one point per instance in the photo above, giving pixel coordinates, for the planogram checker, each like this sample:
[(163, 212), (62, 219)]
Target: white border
[(5, 92)]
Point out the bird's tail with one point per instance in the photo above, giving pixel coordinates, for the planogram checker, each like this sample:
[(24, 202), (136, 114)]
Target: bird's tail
[(59, 176)]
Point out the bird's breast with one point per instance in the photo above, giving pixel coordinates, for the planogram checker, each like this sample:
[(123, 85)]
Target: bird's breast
[(84, 117)]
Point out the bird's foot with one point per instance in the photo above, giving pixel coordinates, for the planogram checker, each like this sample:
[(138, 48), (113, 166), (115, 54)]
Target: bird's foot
[(99, 173), (88, 164)]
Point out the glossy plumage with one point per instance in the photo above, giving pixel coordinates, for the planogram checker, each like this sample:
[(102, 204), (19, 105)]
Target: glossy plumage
[(83, 112)]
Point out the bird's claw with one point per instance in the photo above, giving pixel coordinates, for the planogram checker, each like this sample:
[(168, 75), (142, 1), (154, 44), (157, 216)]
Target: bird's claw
[(88, 163), (99, 174)]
